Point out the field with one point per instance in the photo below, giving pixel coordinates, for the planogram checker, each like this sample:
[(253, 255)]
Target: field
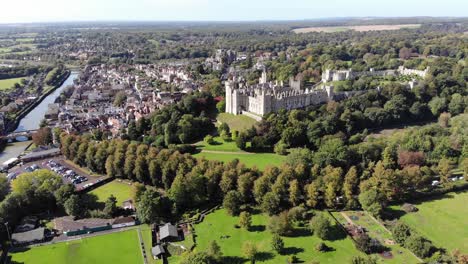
[(220, 145), (121, 190), (260, 160), (443, 221), (356, 28), (116, 248), (219, 224), (377, 231), (6, 84), (236, 122)]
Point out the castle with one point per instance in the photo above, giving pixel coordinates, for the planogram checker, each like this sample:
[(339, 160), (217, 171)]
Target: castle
[(266, 96), (341, 75)]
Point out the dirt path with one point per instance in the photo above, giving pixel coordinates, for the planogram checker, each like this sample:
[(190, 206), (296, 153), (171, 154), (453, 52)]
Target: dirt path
[(347, 218)]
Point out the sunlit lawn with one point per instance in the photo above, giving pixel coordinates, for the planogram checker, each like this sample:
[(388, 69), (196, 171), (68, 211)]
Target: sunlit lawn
[(121, 190)]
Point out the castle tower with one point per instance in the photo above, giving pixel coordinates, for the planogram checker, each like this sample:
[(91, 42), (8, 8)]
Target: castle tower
[(329, 90), (228, 89)]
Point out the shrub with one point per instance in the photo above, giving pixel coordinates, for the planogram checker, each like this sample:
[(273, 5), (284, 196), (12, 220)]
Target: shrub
[(277, 243), (209, 140), (419, 246)]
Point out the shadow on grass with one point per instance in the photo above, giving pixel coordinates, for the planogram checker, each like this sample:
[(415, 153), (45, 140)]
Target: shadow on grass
[(257, 228), (337, 233), (300, 232), (292, 251), (264, 256), (233, 260)]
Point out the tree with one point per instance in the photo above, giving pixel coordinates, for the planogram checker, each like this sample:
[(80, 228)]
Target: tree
[(419, 246), (372, 201), (214, 250), (444, 167), (405, 53), (4, 187), (277, 243), (241, 141), (294, 193), (437, 105), (151, 207), (401, 232), (249, 250), (73, 206), (110, 166), (63, 193), (120, 98), (270, 203), (457, 104), (221, 106), (312, 194), (321, 226), (209, 140), (110, 206), (232, 202), (331, 152), (350, 186), (42, 137), (141, 169), (363, 243), (245, 220), (197, 258), (280, 224), (444, 119)]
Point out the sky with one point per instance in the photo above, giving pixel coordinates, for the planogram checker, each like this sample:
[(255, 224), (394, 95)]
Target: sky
[(19, 11)]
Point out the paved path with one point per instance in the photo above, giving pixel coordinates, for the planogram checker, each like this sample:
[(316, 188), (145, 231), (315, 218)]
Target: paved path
[(142, 246)]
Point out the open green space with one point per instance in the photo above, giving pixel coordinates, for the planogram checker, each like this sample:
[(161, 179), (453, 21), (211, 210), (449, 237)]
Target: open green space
[(6, 84), (236, 122), (377, 231), (219, 145), (442, 220), (121, 190), (260, 160), (116, 248), (219, 224)]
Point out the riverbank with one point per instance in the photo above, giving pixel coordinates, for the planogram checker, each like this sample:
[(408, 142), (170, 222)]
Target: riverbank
[(13, 125)]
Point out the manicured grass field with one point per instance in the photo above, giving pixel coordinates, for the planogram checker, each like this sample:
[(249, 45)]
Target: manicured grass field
[(443, 221), (260, 160), (116, 248), (121, 190), (236, 122), (219, 224), (8, 83), (377, 231), (220, 145)]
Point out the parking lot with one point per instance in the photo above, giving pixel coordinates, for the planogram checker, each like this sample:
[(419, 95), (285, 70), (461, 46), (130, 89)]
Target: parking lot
[(70, 174)]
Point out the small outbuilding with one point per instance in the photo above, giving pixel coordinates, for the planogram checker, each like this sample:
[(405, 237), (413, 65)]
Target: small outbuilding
[(168, 232), (24, 238), (158, 251)]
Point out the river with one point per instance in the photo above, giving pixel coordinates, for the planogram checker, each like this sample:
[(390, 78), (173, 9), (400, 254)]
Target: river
[(33, 119)]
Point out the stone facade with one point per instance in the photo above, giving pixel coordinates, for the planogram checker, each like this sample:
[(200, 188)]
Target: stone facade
[(266, 97), (341, 75)]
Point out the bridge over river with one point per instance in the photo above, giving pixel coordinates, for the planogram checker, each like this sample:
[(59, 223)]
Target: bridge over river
[(13, 136)]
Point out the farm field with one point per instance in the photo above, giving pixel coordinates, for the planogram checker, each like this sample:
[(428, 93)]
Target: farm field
[(116, 248), (121, 190), (236, 122), (260, 160), (219, 224), (6, 84), (443, 220), (377, 231), (356, 28)]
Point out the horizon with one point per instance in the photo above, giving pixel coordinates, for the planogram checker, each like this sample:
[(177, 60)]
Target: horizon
[(56, 11)]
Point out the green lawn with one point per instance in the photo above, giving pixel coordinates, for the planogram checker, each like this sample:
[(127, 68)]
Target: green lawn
[(260, 160), (219, 224), (220, 145), (116, 248), (443, 221), (377, 231), (236, 122), (6, 84), (121, 190)]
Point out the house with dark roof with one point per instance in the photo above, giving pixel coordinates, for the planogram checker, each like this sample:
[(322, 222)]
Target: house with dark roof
[(168, 232)]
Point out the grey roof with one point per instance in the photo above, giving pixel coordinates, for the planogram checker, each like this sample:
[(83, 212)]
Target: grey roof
[(168, 230), (157, 250), (29, 236), (42, 153)]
